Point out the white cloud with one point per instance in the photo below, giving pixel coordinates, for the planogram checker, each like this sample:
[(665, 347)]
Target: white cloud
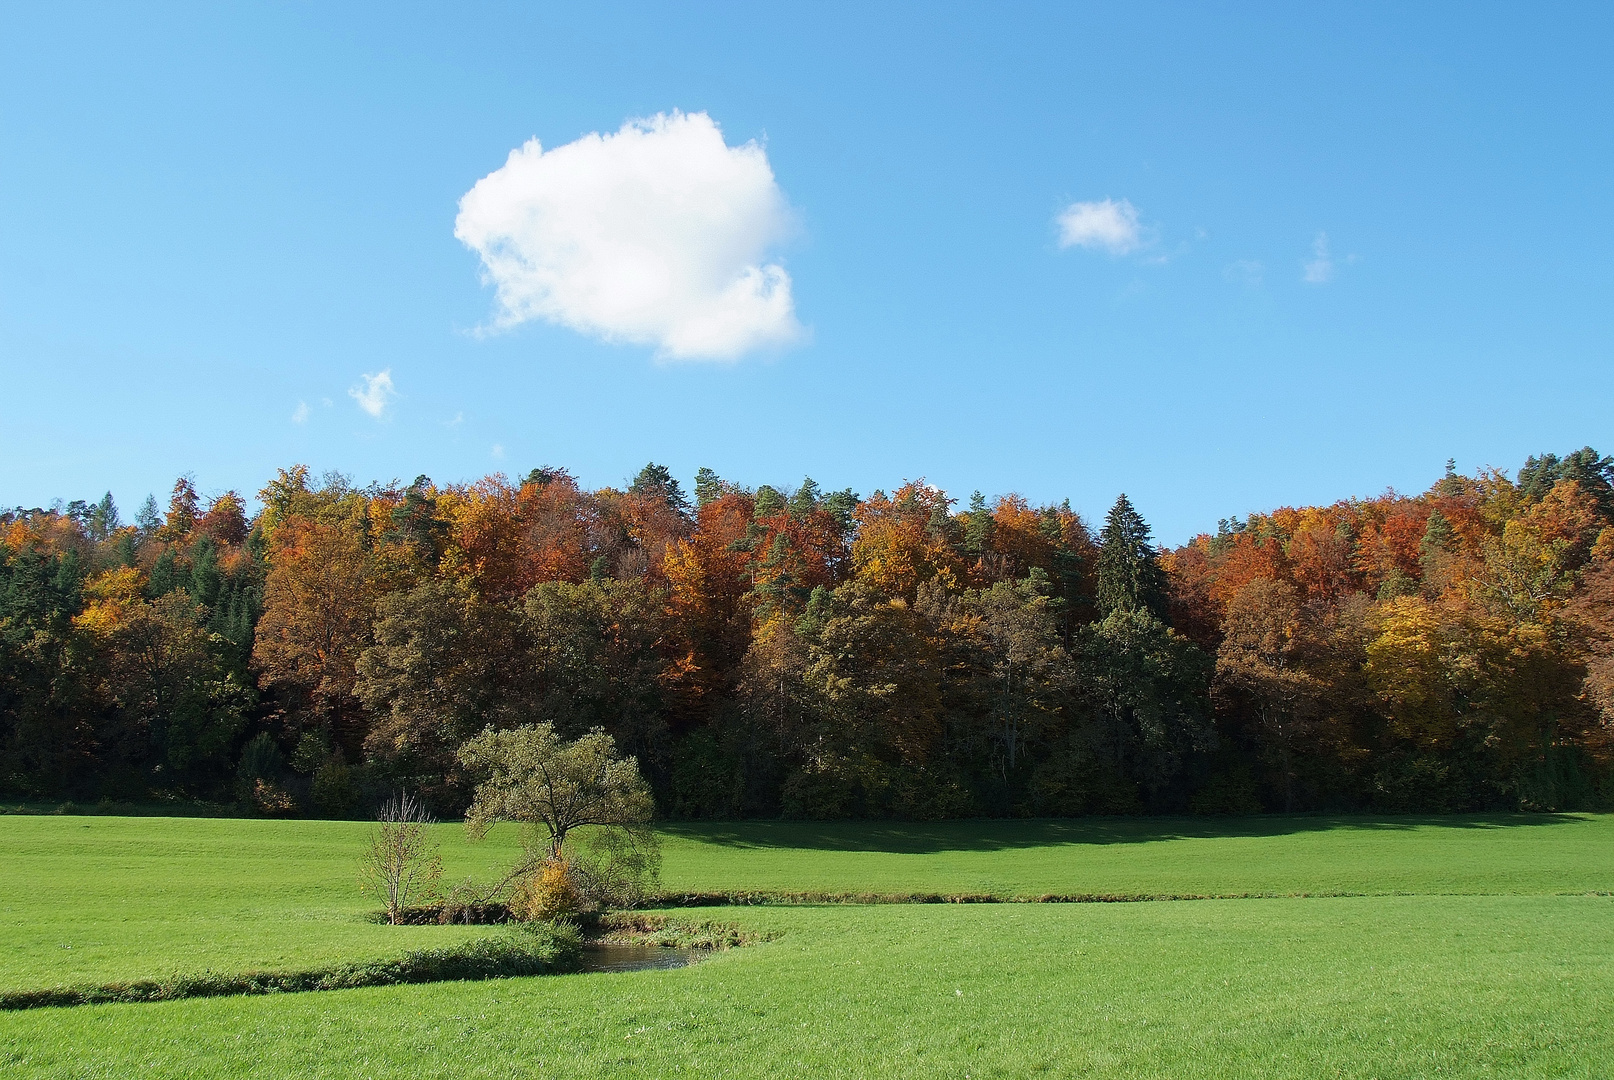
[(300, 415), (375, 394), (1110, 225), (656, 235), (1319, 269), (498, 451)]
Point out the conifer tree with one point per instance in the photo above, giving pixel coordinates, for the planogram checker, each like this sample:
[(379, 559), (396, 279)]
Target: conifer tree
[(657, 480), (978, 533), (147, 519), (708, 486), (805, 499), (104, 518), (1129, 574), (769, 501), (183, 510)]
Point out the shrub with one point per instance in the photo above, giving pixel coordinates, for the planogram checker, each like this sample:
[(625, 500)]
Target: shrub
[(615, 868), (549, 893), (272, 800), (334, 791)]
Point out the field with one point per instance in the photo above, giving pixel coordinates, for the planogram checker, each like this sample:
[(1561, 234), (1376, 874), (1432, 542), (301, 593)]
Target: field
[(1450, 947)]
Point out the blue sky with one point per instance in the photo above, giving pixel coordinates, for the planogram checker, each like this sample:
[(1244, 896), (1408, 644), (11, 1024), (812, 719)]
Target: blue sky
[(215, 221)]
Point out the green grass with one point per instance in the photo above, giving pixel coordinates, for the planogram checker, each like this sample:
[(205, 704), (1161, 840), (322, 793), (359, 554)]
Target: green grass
[(99, 899), (1495, 964), (1503, 854), (1399, 987)]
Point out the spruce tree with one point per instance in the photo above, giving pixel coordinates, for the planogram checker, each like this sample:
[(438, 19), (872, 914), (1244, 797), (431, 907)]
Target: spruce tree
[(708, 486), (1593, 472), (1129, 574), (104, 518), (805, 499), (1439, 540), (978, 533), (656, 480), (769, 501), (147, 518), (184, 509)]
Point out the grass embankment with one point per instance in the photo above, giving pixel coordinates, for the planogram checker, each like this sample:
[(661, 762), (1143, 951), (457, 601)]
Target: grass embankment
[(538, 949), (1485, 971)]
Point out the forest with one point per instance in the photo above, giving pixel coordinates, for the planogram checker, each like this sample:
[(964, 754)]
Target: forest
[(801, 653)]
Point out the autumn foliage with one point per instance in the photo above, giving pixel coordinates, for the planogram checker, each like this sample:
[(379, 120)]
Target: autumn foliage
[(815, 654)]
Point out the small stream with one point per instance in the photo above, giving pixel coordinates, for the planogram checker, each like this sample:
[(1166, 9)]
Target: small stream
[(601, 957)]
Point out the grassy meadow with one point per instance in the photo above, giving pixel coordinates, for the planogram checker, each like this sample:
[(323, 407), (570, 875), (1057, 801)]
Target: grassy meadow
[(1449, 947)]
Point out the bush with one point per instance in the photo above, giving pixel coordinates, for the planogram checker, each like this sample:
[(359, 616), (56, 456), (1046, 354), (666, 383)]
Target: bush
[(334, 791), (272, 800), (548, 894), (603, 869), (616, 868), (260, 770)]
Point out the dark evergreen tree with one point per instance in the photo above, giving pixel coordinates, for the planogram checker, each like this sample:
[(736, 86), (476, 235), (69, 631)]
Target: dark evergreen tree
[(978, 533), (708, 486), (769, 501), (1129, 574), (841, 505), (805, 499), (128, 549), (542, 476), (104, 519), (184, 508), (165, 576), (1593, 473), (1451, 483), (1438, 538), (415, 522), (205, 578), (656, 480)]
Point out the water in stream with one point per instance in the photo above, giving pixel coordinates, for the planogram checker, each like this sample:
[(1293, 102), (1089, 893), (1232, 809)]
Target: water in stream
[(598, 956)]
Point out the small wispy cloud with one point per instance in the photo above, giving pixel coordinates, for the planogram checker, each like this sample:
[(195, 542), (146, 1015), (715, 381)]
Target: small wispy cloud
[(300, 414), (498, 451), (1319, 269), (1107, 225), (374, 393), (455, 421), (1247, 272)]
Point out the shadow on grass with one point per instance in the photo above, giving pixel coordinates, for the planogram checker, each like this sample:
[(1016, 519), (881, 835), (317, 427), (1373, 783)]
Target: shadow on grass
[(922, 838)]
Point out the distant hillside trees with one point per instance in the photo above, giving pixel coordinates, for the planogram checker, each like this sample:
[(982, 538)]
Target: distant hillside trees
[(800, 652)]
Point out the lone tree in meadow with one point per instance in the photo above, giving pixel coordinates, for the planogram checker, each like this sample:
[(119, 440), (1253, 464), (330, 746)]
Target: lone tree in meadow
[(535, 777), (401, 860), (553, 788)]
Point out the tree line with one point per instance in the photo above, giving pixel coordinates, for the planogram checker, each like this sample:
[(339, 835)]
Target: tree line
[(816, 654)]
